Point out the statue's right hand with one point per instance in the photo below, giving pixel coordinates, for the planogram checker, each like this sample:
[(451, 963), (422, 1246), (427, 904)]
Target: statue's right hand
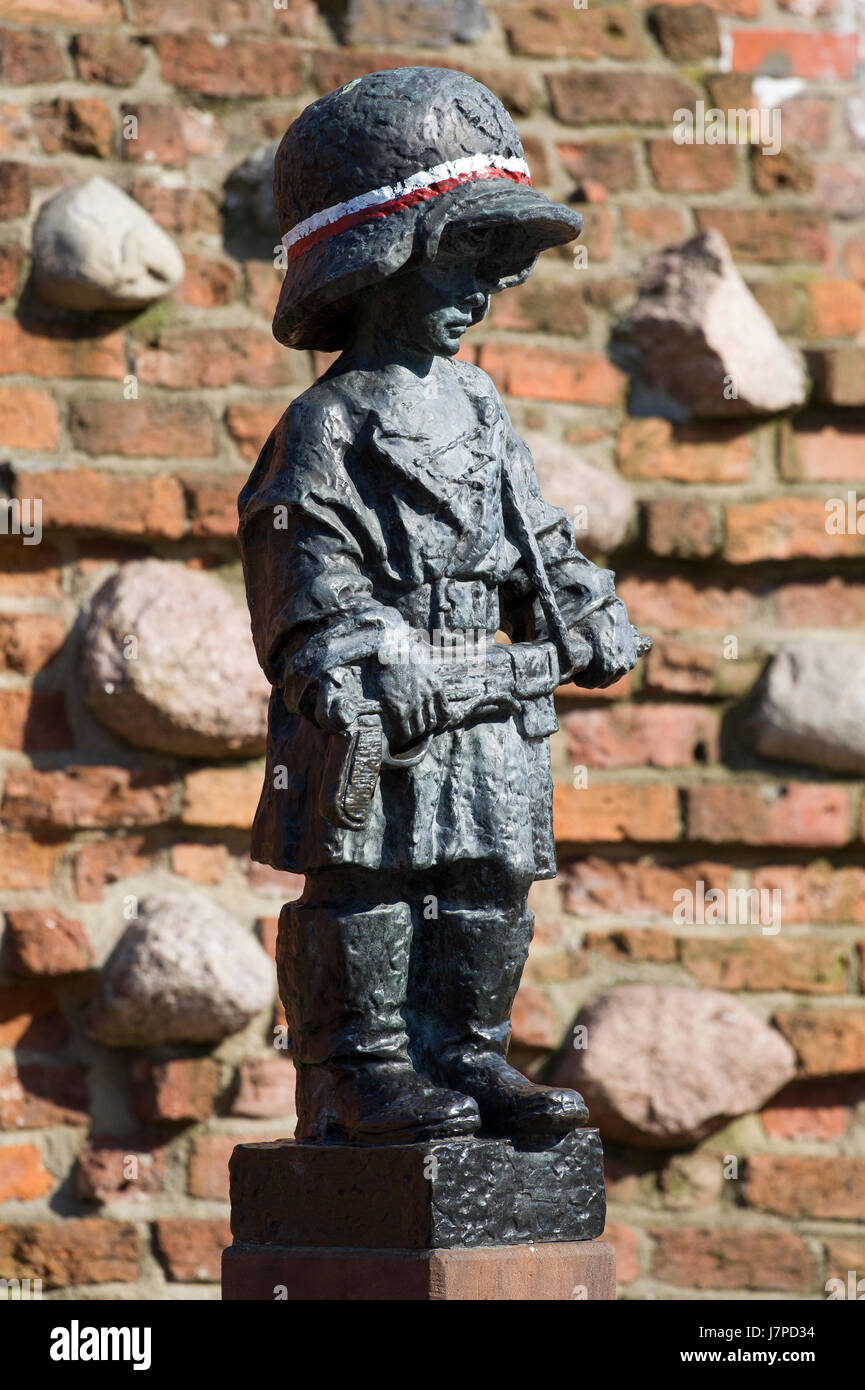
[(412, 702)]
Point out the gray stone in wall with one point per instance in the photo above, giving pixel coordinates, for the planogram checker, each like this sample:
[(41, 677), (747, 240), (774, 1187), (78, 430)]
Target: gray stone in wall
[(697, 343), (664, 1066), (810, 706), (422, 23), (168, 663), (249, 192), (184, 971), (95, 248), (570, 483)]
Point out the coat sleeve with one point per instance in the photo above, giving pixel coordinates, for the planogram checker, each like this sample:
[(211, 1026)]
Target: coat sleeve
[(302, 541), (577, 583)]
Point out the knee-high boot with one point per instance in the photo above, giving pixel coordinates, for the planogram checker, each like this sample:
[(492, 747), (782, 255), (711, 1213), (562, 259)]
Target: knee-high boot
[(466, 968), (342, 980)]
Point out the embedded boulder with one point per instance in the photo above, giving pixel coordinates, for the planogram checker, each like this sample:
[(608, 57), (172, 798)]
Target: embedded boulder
[(698, 344), (600, 504), (664, 1066), (184, 971), (809, 706), (169, 664), (96, 248)]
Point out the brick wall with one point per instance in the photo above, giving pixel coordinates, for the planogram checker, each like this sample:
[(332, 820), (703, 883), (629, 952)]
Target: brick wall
[(730, 540)]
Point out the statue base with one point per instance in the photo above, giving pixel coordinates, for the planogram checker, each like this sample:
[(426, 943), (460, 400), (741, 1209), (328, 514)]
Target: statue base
[(450, 1219), (560, 1270)]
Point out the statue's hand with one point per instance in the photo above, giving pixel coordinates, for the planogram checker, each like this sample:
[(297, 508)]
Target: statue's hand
[(412, 702), (614, 646)]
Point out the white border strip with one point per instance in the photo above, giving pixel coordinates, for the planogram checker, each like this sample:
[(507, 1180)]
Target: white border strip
[(424, 178)]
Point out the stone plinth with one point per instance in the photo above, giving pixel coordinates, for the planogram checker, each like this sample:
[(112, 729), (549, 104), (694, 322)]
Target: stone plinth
[(450, 1193)]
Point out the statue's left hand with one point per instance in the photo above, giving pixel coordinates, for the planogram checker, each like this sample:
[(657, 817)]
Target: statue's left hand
[(614, 646)]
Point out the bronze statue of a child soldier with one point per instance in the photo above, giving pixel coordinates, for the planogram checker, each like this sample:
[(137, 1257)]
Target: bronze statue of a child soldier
[(394, 504)]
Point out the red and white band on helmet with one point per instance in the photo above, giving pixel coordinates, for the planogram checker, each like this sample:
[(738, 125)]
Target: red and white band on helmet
[(417, 188)]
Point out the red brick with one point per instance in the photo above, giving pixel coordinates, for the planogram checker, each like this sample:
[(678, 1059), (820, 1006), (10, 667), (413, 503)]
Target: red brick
[(691, 168), (80, 125), (730, 1259), (208, 1163), (28, 418), (767, 963), (158, 137), (834, 308), (26, 863), (109, 1169), (540, 307), (221, 797), (30, 1018), (641, 736), (806, 1110), (28, 571), (830, 603), (243, 68), (88, 1251), (637, 890), (655, 227), (677, 605), (843, 1254), (11, 260), (839, 188), (250, 425), (208, 284), (109, 861), (839, 375), (138, 429), (29, 56), (625, 1243), (599, 98), (214, 15), (829, 1042), (23, 1177), (191, 1251), (183, 359), (39, 1097), (687, 33), (782, 302), (15, 188), (41, 942), (803, 813), (612, 164), (199, 863), (34, 721), (557, 30), (183, 1089), (112, 502), (808, 121), (829, 1188), (687, 667), (634, 943), (265, 1088), (790, 170), (818, 893), (28, 641), (651, 448), (816, 449), (536, 373), (613, 812), (775, 236), (71, 14), (86, 798), (688, 529), (783, 529), (794, 53), (854, 258), (178, 209), (533, 1021), (109, 58)]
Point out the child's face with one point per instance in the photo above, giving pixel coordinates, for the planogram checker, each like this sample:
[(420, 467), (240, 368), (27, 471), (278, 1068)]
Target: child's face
[(428, 309)]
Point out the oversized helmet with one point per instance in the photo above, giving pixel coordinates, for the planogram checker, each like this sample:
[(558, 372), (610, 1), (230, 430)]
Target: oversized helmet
[(368, 177)]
